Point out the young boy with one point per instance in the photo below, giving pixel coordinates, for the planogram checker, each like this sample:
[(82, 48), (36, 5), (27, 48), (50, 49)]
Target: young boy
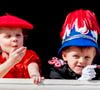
[(15, 60), (79, 47)]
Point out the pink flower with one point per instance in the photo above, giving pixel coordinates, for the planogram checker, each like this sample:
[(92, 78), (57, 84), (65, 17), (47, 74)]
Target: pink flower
[(56, 62)]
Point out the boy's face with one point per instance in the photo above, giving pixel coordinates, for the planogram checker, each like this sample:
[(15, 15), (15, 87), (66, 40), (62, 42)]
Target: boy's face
[(10, 39), (77, 58)]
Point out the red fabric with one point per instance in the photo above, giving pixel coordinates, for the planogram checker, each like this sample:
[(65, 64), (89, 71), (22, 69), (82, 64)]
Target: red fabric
[(20, 70), (13, 21)]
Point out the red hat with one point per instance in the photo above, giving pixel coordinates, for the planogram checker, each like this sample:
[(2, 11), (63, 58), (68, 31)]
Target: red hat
[(8, 20)]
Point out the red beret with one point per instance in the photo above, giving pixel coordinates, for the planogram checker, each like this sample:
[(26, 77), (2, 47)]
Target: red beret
[(8, 20)]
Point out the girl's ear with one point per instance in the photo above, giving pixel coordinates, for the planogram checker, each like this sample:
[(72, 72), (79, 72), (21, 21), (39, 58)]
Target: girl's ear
[(64, 55), (0, 50)]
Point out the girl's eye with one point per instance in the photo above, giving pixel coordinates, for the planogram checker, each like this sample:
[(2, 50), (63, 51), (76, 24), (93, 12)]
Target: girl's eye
[(7, 36), (18, 35)]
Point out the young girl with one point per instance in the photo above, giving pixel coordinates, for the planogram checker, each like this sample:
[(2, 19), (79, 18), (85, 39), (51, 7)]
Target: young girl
[(15, 60), (79, 47)]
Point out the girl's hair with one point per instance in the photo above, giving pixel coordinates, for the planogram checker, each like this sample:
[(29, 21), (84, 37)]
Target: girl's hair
[(25, 33)]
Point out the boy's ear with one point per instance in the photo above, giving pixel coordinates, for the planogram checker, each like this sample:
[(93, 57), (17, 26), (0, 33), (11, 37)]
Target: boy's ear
[(64, 56)]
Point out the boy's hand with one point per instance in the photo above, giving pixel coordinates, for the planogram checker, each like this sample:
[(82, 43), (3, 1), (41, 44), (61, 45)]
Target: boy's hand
[(88, 72)]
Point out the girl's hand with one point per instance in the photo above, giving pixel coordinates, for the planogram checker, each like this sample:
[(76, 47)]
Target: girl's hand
[(34, 73), (37, 79), (16, 55)]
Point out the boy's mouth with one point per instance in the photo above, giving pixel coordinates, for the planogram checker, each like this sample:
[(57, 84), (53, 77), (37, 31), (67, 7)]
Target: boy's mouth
[(80, 66)]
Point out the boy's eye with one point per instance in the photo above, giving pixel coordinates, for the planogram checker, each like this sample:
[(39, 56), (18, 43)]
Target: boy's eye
[(87, 58), (76, 56)]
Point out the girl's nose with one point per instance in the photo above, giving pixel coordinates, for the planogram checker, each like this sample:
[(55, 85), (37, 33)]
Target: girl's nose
[(14, 39)]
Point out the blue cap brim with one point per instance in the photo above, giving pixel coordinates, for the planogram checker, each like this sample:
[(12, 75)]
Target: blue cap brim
[(79, 42)]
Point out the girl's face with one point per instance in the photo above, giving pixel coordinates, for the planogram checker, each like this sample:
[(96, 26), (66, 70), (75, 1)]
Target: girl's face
[(10, 39), (78, 58)]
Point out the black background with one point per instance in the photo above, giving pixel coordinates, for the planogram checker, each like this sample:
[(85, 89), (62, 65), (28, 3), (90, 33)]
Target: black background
[(47, 16)]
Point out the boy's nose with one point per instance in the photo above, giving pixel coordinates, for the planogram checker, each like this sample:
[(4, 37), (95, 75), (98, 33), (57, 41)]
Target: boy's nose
[(81, 60)]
